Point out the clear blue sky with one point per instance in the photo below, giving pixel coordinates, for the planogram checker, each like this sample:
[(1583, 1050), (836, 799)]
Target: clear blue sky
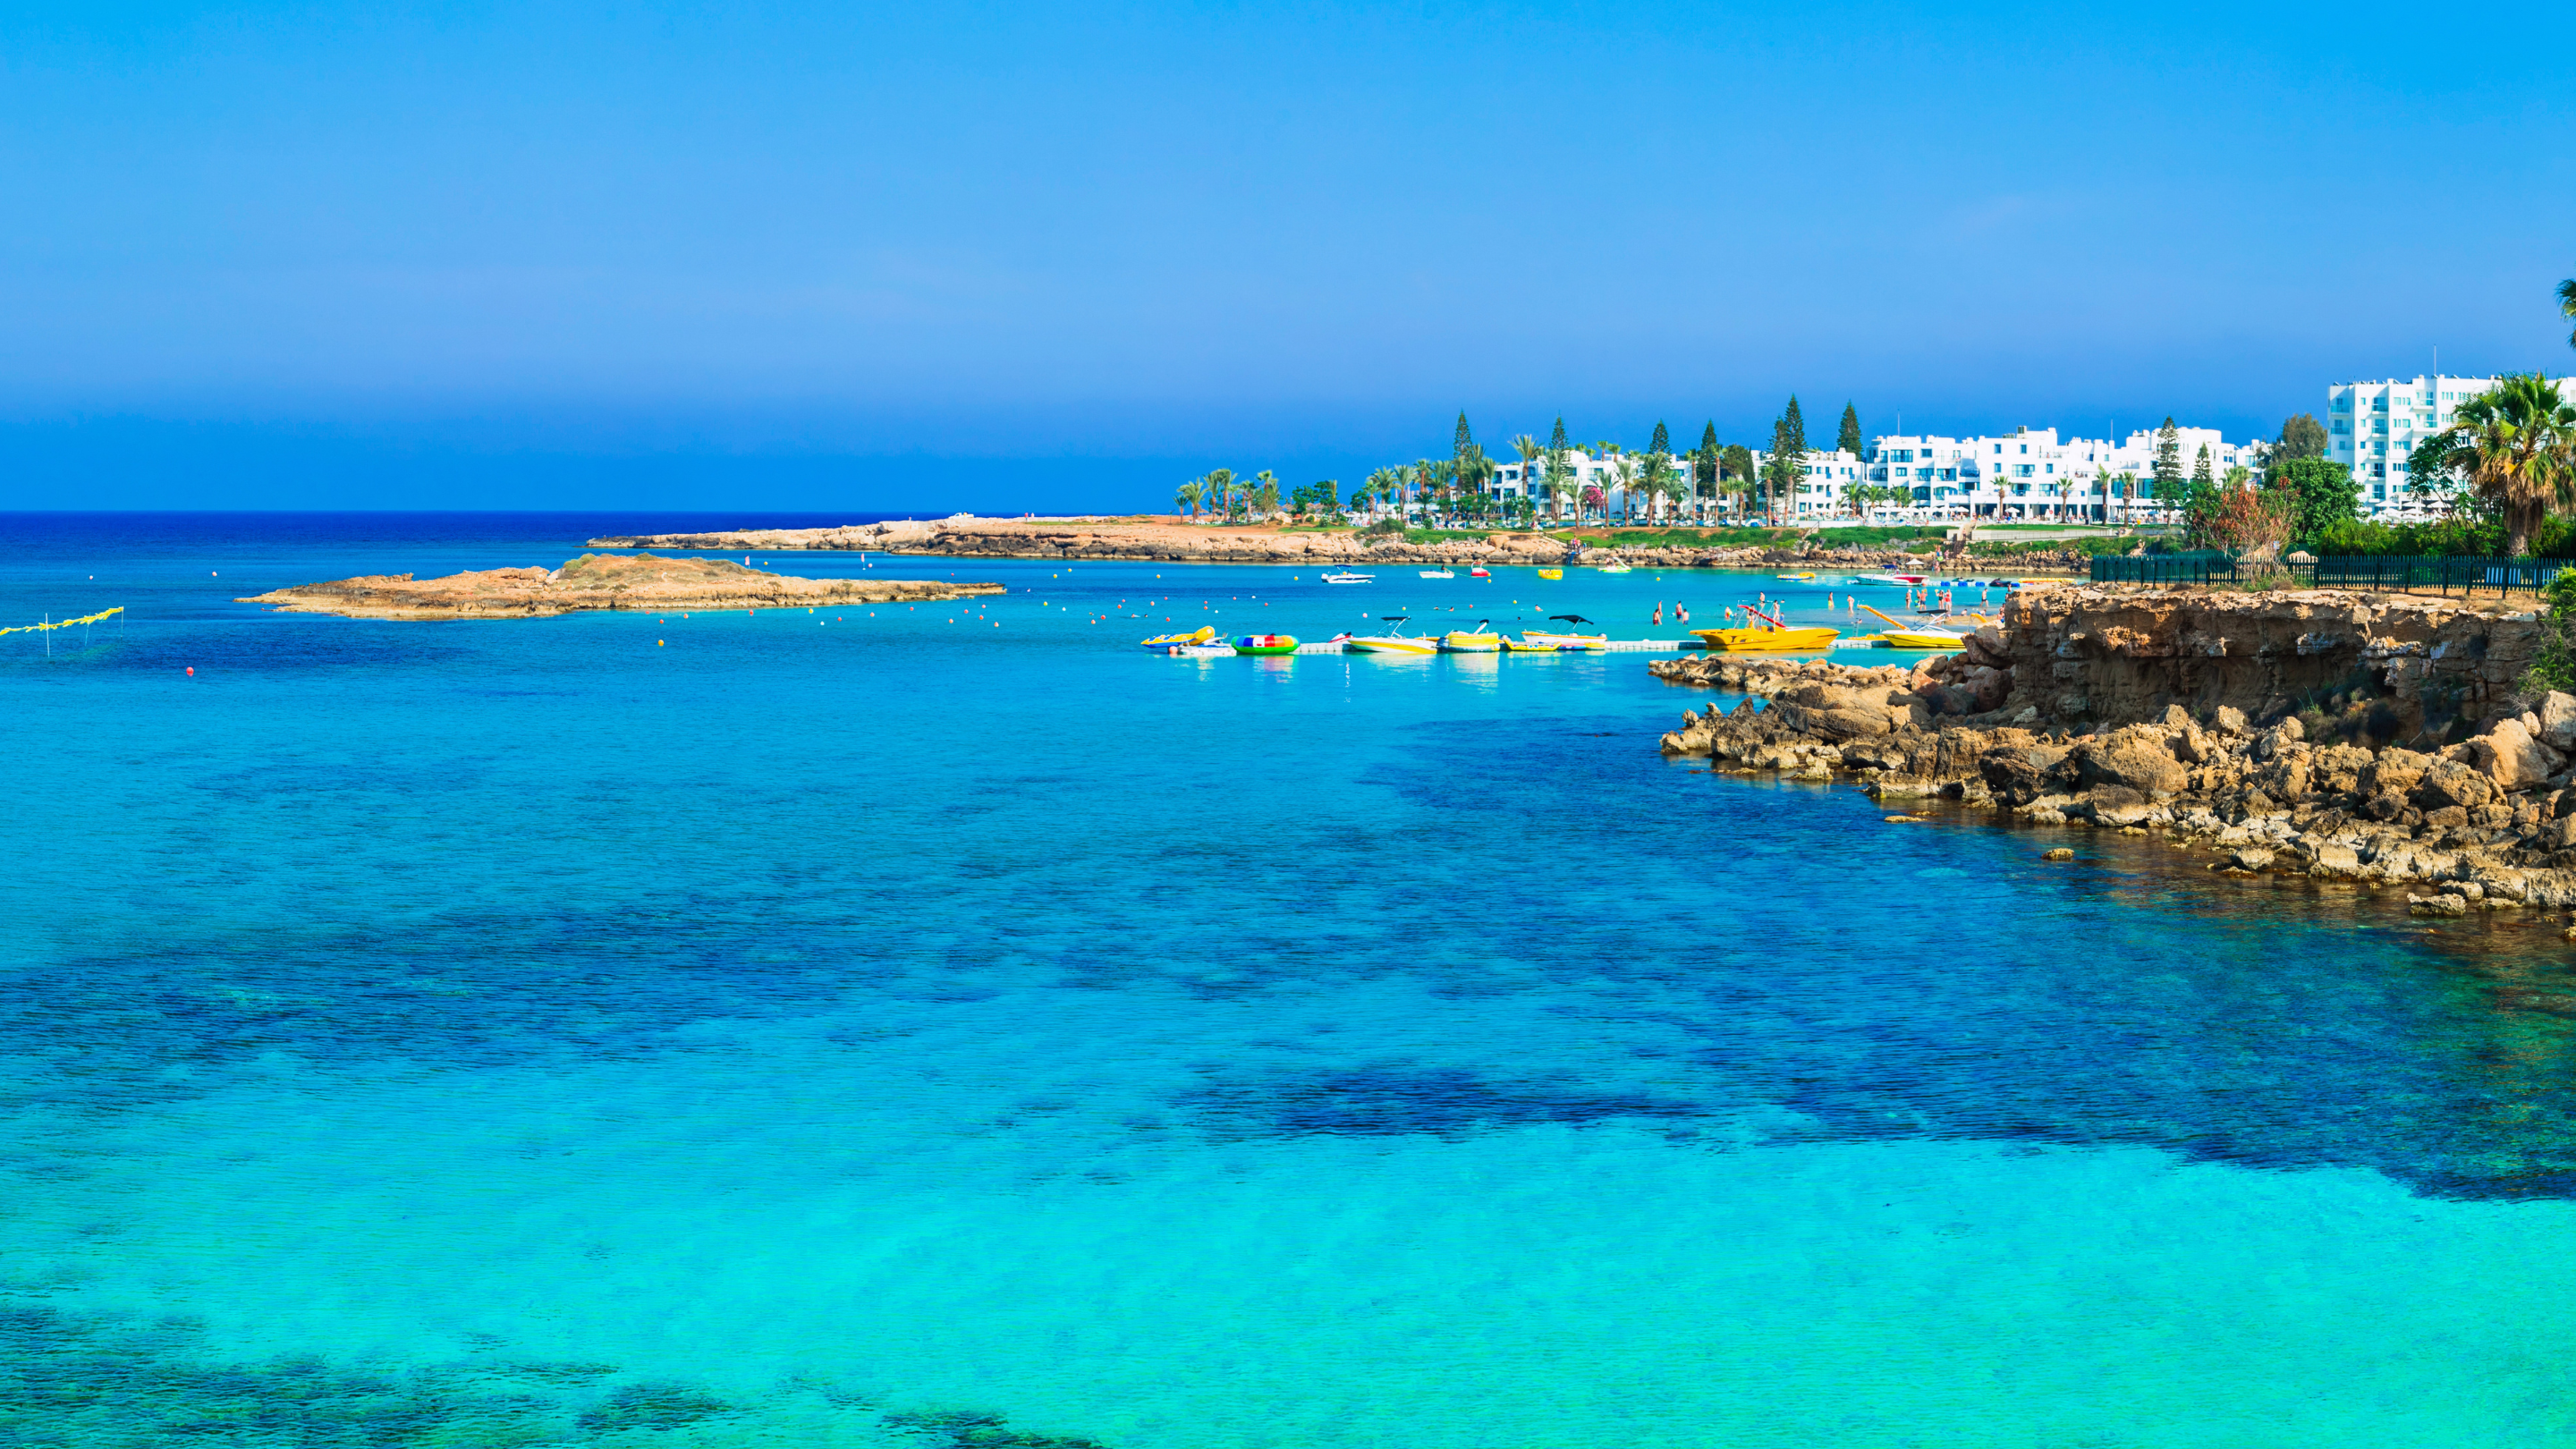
[(1033, 256)]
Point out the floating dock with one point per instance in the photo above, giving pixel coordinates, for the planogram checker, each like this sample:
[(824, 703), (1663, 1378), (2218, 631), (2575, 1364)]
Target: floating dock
[(1615, 646)]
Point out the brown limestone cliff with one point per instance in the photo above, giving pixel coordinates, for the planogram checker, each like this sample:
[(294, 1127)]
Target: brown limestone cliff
[(2378, 740)]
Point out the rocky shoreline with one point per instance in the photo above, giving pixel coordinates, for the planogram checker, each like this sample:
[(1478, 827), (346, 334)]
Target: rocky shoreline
[(1187, 543), (597, 581), (2390, 747)]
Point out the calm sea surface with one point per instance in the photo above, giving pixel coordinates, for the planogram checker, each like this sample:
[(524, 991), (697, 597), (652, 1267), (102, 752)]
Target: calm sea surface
[(949, 1026)]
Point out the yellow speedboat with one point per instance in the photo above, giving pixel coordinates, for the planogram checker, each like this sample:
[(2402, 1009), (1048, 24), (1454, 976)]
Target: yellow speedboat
[(1527, 645), (1568, 641), (1747, 641), (1391, 642), (1772, 636), (1803, 578), (1551, 573)]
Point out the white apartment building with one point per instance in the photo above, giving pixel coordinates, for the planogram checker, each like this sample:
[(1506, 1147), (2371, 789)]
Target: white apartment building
[(2034, 474), (2372, 427), (1616, 475)]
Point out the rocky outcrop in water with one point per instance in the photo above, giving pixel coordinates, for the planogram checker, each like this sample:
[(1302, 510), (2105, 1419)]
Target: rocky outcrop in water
[(2385, 742), (598, 581)]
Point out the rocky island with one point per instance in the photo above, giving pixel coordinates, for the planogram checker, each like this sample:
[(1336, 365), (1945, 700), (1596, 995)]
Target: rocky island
[(2384, 740), (598, 581)]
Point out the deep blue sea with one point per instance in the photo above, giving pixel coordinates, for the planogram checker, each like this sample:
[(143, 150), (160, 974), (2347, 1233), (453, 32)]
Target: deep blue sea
[(950, 1026)]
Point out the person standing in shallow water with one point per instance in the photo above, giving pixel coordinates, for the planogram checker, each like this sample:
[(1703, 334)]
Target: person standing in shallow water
[(1681, 614), (1659, 611)]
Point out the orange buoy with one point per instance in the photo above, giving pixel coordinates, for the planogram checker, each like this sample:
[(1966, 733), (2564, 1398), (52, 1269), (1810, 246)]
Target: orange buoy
[(192, 671)]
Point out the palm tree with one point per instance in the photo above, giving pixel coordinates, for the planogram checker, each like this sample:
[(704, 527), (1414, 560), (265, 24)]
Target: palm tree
[(1559, 478), (1264, 495), (2517, 444), (1390, 490), (2567, 304), (1220, 488), (1625, 467), (1188, 496), (1655, 471), (1531, 451)]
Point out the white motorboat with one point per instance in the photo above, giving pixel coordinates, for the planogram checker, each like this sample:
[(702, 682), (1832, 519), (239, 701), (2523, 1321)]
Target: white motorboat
[(1392, 641), (1345, 576), (1439, 573)]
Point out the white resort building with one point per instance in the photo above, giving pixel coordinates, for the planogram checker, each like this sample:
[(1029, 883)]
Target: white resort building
[(2371, 428)]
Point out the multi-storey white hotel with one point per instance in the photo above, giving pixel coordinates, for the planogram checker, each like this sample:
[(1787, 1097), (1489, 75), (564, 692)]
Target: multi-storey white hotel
[(2030, 474), (2372, 427)]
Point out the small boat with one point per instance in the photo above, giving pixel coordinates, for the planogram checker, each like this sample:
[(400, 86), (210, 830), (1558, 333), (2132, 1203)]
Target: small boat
[(1568, 641), (1527, 645), (1479, 640), (1774, 636), (1907, 636), (1345, 576), (1480, 572), (1888, 579), (1199, 651), (1390, 642), (1616, 568), (1439, 573), (1551, 573), (1801, 578), (1162, 643), (1266, 644)]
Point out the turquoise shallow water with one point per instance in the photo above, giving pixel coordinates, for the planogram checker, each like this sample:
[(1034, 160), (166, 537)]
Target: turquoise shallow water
[(907, 1031)]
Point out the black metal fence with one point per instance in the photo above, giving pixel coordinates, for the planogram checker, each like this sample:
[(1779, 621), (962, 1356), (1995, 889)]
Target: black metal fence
[(2464, 573), (2455, 573), (2201, 566)]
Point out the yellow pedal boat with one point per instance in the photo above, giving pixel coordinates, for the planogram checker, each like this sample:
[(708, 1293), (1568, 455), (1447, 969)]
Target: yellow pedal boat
[(1551, 573), (1479, 640)]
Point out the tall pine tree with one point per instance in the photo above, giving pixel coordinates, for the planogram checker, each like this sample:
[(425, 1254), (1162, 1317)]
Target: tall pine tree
[(1556, 442), (1663, 441), (2168, 469), (1849, 439), (1464, 441), (1704, 463), (1788, 465)]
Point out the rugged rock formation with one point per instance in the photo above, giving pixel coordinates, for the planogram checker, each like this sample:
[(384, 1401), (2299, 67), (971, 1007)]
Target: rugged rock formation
[(2385, 742), (2087, 655), (1184, 543), (597, 581)]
